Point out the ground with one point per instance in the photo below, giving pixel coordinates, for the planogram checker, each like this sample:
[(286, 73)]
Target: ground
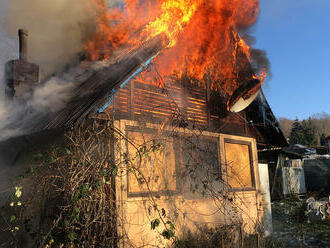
[(291, 226)]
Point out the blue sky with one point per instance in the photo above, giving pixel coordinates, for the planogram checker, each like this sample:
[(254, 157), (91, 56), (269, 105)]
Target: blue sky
[(296, 37)]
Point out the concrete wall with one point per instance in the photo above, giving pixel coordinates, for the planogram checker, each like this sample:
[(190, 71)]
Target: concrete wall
[(188, 212)]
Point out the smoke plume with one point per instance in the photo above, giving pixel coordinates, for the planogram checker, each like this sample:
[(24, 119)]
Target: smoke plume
[(58, 29), (259, 57), (260, 61), (17, 117)]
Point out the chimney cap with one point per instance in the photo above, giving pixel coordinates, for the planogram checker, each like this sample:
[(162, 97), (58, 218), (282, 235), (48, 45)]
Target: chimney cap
[(23, 32)]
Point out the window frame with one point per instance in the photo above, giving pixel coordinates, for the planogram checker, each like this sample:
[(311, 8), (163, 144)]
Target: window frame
[(147, 130), (128, 125), (215, 138), (251, 157)]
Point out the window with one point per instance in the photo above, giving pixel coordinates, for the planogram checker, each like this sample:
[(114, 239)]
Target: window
[(201, 177), (152, 167), (239, 164), (187, 164)]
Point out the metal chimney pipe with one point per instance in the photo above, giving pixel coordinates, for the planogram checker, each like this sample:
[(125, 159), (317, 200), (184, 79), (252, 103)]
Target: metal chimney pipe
[(22, 34)]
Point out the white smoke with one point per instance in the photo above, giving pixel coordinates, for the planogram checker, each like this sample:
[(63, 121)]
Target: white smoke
[(52, 96), (58, 30), (17, 117)]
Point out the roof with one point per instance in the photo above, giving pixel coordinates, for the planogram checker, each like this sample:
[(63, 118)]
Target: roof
[(260, 115), (95, 94), (92, 94)]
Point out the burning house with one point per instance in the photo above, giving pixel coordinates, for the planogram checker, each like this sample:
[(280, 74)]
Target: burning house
[(188, 112)]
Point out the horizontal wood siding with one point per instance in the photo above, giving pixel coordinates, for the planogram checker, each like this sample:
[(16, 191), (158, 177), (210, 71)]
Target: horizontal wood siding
[(139, 100)]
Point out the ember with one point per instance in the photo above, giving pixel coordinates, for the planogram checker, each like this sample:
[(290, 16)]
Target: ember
[(201, 38)]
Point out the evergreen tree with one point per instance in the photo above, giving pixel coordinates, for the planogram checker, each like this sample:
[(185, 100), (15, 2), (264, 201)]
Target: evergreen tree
[(297, 133), (309, 130), (323, 141), (303, 133)]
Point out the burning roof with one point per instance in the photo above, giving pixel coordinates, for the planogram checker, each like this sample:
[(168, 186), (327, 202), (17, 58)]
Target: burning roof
[(195, 38), (201, 37), (92, 92)]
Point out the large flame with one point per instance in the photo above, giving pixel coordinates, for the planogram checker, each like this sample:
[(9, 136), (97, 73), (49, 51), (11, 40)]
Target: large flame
[(175, 15), (201, 34)]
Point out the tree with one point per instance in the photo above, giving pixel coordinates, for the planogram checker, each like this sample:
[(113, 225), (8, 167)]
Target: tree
[(297, 133), (318, 123), (309, 129), (303, 133), (323, 141)]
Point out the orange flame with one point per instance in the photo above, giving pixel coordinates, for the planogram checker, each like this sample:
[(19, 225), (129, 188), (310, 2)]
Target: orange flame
[(175, 15), (262, 76), (111, 33), (201, 34), (245, 48)]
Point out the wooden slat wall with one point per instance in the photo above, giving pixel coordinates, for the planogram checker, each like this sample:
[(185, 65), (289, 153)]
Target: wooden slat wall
[(149, 100), (197, 105), (139, 99)]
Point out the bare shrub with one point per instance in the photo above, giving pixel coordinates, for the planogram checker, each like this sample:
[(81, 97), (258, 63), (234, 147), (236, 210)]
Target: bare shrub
[(69, 200)]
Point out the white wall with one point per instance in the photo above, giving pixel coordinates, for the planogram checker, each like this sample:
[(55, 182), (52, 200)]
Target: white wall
[(264, 187)]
